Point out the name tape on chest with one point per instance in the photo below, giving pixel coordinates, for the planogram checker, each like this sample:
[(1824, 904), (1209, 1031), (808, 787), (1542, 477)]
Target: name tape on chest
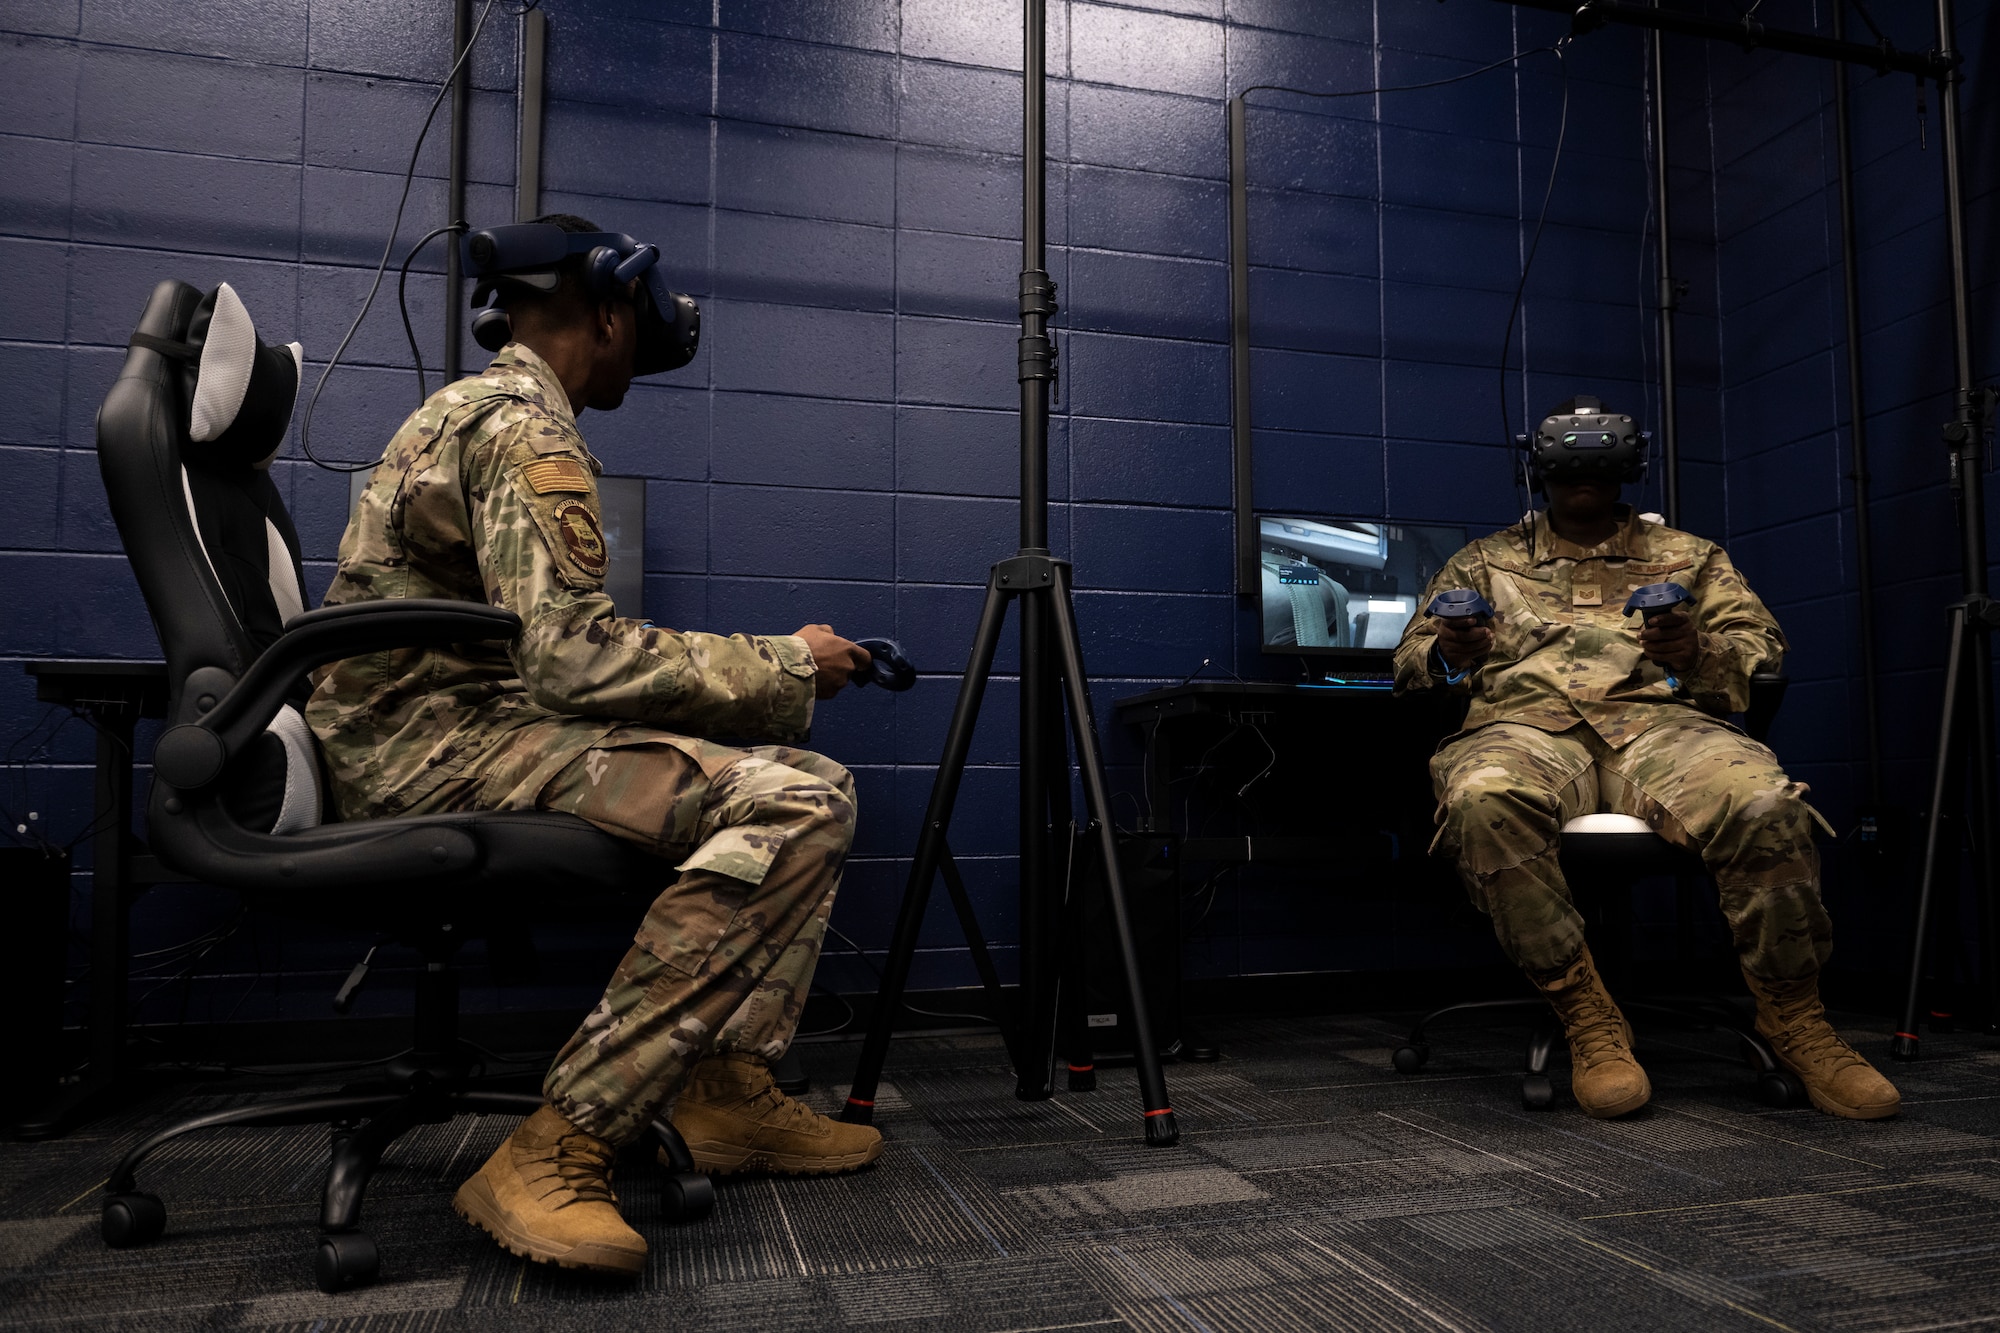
[(556, 474)]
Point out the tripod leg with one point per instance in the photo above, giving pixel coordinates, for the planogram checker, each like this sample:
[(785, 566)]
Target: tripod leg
[(1073, 1016), (1036, 1052), (860, 1108), (968, 920), (1161, 1131), (1979, 821), (1904, 1045)]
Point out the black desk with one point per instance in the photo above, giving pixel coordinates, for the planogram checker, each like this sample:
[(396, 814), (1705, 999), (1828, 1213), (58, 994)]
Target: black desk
[(114, 695), (1375, 748)]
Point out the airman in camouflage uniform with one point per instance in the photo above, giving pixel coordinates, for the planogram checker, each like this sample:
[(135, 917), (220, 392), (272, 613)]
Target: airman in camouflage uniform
[(487, 493), (1568, 715)]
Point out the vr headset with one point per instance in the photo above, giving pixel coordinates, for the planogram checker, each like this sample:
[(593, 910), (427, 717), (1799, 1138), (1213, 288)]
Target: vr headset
[(1587, 444), (529, 253)]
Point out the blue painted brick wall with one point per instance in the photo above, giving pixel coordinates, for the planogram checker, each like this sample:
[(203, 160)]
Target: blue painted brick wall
[(1784, 409), (836, 182)]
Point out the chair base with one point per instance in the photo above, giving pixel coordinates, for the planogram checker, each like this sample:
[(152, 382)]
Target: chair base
[(1777, 1086), (365, 1120)]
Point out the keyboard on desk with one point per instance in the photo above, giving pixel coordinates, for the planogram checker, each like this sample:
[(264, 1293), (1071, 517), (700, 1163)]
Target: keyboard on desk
[(1352, 680)]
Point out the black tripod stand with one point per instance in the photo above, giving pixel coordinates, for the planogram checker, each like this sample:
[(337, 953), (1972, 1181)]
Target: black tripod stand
[(1965, 736), (1051, 660)]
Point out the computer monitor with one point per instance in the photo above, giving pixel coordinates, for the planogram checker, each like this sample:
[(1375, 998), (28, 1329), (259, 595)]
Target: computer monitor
[(621, 502), (1344, 588)]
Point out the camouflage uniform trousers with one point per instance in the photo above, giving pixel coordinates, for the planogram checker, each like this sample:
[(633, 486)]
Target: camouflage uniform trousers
[(724, 959), (1505, 791)]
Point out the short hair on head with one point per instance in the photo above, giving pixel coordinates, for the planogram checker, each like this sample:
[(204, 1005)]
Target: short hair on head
[(572, 298)]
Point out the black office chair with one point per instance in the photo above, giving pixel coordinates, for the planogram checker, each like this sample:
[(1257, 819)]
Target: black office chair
[(1603, 856), (237, 799)]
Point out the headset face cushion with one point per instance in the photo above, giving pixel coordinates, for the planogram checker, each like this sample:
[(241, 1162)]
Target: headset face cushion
[(243, 389)]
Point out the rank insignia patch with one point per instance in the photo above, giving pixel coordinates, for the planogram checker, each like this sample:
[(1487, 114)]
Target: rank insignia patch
[(556, 474), (583, 537)]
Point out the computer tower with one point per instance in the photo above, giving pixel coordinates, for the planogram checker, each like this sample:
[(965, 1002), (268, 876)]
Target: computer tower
[(1152, 897), (36, 898)]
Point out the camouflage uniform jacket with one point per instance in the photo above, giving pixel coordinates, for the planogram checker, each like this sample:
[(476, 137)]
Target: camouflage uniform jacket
[(1564, 650), (487, 493)]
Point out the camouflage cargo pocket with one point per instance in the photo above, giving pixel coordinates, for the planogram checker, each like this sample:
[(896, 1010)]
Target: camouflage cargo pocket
[(688, 921)]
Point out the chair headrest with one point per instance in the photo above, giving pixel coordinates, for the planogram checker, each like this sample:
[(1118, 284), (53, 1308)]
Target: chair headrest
[(241, 389)]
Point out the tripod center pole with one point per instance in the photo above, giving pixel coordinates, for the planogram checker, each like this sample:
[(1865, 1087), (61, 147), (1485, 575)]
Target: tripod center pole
[(1038, 292)]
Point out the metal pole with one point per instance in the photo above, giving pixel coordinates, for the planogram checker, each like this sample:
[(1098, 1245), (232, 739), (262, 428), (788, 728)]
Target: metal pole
[(1905, 1043), (1239, 345), (528, 110), (1037, 291), (1745, 32), (461, 109), (1034, 1075), (1670, 297), (1965, 436), (1857, 423)]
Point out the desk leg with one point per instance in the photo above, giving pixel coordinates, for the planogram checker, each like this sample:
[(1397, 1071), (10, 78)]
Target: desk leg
[(110, 942), (1195, 1045)]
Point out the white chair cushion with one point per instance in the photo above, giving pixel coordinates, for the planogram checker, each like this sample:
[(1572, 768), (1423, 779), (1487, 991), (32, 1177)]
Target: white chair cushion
[(1605, 824), (301, 808)]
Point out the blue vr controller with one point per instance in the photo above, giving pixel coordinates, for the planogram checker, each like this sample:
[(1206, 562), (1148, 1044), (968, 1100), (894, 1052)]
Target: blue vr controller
[(887, 666), (1460, 604), (1656, 600)]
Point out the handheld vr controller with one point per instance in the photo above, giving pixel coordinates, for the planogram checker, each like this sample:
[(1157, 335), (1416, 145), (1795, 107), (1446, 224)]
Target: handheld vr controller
[(1656, 600), (529, 253), (887, 667), (1460, 604)]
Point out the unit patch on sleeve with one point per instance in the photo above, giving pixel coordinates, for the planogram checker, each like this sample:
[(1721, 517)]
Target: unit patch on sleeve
[(583, 537), (556, 474)]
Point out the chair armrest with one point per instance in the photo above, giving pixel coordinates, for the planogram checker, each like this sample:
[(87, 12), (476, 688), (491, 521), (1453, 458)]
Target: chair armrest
[(1767, 692), (193, 755)]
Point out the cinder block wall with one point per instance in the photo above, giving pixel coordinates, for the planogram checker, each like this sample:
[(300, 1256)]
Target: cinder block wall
[(1785, 407), (836, 182)]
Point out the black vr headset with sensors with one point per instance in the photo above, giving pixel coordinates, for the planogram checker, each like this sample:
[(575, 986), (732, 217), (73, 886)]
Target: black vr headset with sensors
[(1586, 443), (530, 253)]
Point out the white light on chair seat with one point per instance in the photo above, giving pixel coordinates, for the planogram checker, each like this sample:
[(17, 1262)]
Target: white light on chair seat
[(1606, 824)]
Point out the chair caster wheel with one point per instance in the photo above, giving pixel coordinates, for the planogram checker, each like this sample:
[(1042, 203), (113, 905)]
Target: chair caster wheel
[(1780, 1089), (346, 1259), (687, 1196), (1537, 1093), (133, 1219), (1409, 1059)]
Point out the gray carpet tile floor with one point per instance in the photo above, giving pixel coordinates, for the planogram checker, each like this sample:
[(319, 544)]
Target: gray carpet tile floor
[(1313, 1189)]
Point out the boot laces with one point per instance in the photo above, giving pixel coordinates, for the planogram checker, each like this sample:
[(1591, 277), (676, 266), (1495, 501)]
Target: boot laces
[(583, 1163), (1809, 1037), (1597, 1032), (773, 1107)]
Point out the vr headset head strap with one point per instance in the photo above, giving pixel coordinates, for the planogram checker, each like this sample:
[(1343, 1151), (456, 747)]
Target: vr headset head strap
[(530, 253)]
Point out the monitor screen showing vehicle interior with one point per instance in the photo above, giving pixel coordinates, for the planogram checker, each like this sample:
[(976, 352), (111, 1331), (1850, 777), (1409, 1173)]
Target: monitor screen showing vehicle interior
[(1345, 585)]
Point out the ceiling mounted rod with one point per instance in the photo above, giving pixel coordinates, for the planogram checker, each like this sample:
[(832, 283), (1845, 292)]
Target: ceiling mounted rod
[(1747, 33)]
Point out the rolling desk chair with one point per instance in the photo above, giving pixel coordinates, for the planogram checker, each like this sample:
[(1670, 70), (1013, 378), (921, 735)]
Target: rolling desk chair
[(1603, 856), (183, 439)]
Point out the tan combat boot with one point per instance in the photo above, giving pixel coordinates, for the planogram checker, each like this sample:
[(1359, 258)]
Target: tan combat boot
[(735, 1119), (1604, 1076), (545, 1195), (1837, 1078)]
